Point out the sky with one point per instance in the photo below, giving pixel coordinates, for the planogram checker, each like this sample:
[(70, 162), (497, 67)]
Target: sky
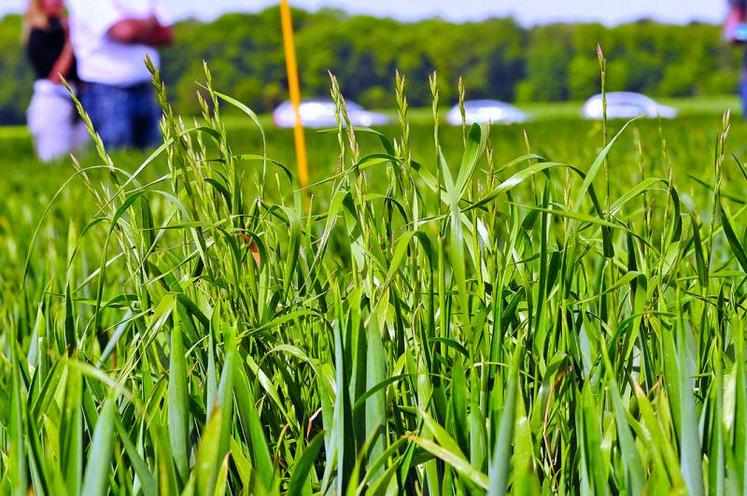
[(528, 12)]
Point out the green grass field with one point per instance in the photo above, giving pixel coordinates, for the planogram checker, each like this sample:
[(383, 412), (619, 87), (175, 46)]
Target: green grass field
[(514, 310)]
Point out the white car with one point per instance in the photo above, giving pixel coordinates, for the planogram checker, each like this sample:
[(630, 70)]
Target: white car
[(320, 113), (627, 105), (485, 112)]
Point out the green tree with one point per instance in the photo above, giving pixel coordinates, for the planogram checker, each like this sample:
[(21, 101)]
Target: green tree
[(16, 81), (497, 58)]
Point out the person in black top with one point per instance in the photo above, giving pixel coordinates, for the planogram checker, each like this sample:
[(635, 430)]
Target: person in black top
[(734, 33), (52, 117)]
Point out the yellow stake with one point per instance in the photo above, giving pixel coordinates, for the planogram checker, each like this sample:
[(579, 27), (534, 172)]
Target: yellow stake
[(295, 91)]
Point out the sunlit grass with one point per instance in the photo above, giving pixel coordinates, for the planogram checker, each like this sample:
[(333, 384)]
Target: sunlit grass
[(437, 314)]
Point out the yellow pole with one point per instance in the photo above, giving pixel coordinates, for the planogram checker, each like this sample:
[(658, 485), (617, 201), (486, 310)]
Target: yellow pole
[(295, 91)]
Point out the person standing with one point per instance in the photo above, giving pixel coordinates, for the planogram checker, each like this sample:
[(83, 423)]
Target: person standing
[(112, 39), (734, 33), (52, 118)]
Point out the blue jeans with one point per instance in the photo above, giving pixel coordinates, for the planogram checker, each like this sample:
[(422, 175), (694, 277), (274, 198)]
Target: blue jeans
[(124, 117)]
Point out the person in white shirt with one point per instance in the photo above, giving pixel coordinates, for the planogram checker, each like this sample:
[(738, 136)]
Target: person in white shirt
[(111, 39)]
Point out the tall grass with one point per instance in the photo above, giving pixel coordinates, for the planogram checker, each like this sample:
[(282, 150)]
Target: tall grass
[(450, 326)]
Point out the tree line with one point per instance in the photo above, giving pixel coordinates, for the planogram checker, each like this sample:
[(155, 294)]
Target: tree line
[(497, 58)]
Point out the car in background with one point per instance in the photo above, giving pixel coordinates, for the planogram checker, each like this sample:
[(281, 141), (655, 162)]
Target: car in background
[(626, 105), (320, 113), (485, 112)]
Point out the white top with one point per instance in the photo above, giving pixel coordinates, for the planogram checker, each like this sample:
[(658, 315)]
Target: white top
[(48, 88), (100, 58)]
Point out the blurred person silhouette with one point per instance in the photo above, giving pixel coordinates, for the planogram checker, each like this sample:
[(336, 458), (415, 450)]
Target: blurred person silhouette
[(111, 39), (735, 31), (52, 118)]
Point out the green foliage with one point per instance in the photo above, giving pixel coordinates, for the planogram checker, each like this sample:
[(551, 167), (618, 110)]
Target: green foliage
[(447, 322), (496, 58), (16, 83)]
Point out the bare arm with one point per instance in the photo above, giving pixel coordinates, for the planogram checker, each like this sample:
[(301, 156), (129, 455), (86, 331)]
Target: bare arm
[(147, 31), (62, 65), (162, 35), (736, 16)]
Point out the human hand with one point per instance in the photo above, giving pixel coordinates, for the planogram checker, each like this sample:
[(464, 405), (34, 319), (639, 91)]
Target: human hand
[(163, 35), (55, 75), (153, 23)]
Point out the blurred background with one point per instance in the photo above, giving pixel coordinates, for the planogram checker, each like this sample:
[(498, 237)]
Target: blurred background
[(523, 51)]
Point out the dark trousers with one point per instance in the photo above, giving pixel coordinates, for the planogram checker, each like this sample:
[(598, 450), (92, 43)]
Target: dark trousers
[(124, 117)]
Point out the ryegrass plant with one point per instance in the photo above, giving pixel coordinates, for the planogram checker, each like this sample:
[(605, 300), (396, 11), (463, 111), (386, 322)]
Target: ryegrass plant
[(455, 326)]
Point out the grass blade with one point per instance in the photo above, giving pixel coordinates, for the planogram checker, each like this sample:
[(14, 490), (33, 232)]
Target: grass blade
[(96, 479)]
